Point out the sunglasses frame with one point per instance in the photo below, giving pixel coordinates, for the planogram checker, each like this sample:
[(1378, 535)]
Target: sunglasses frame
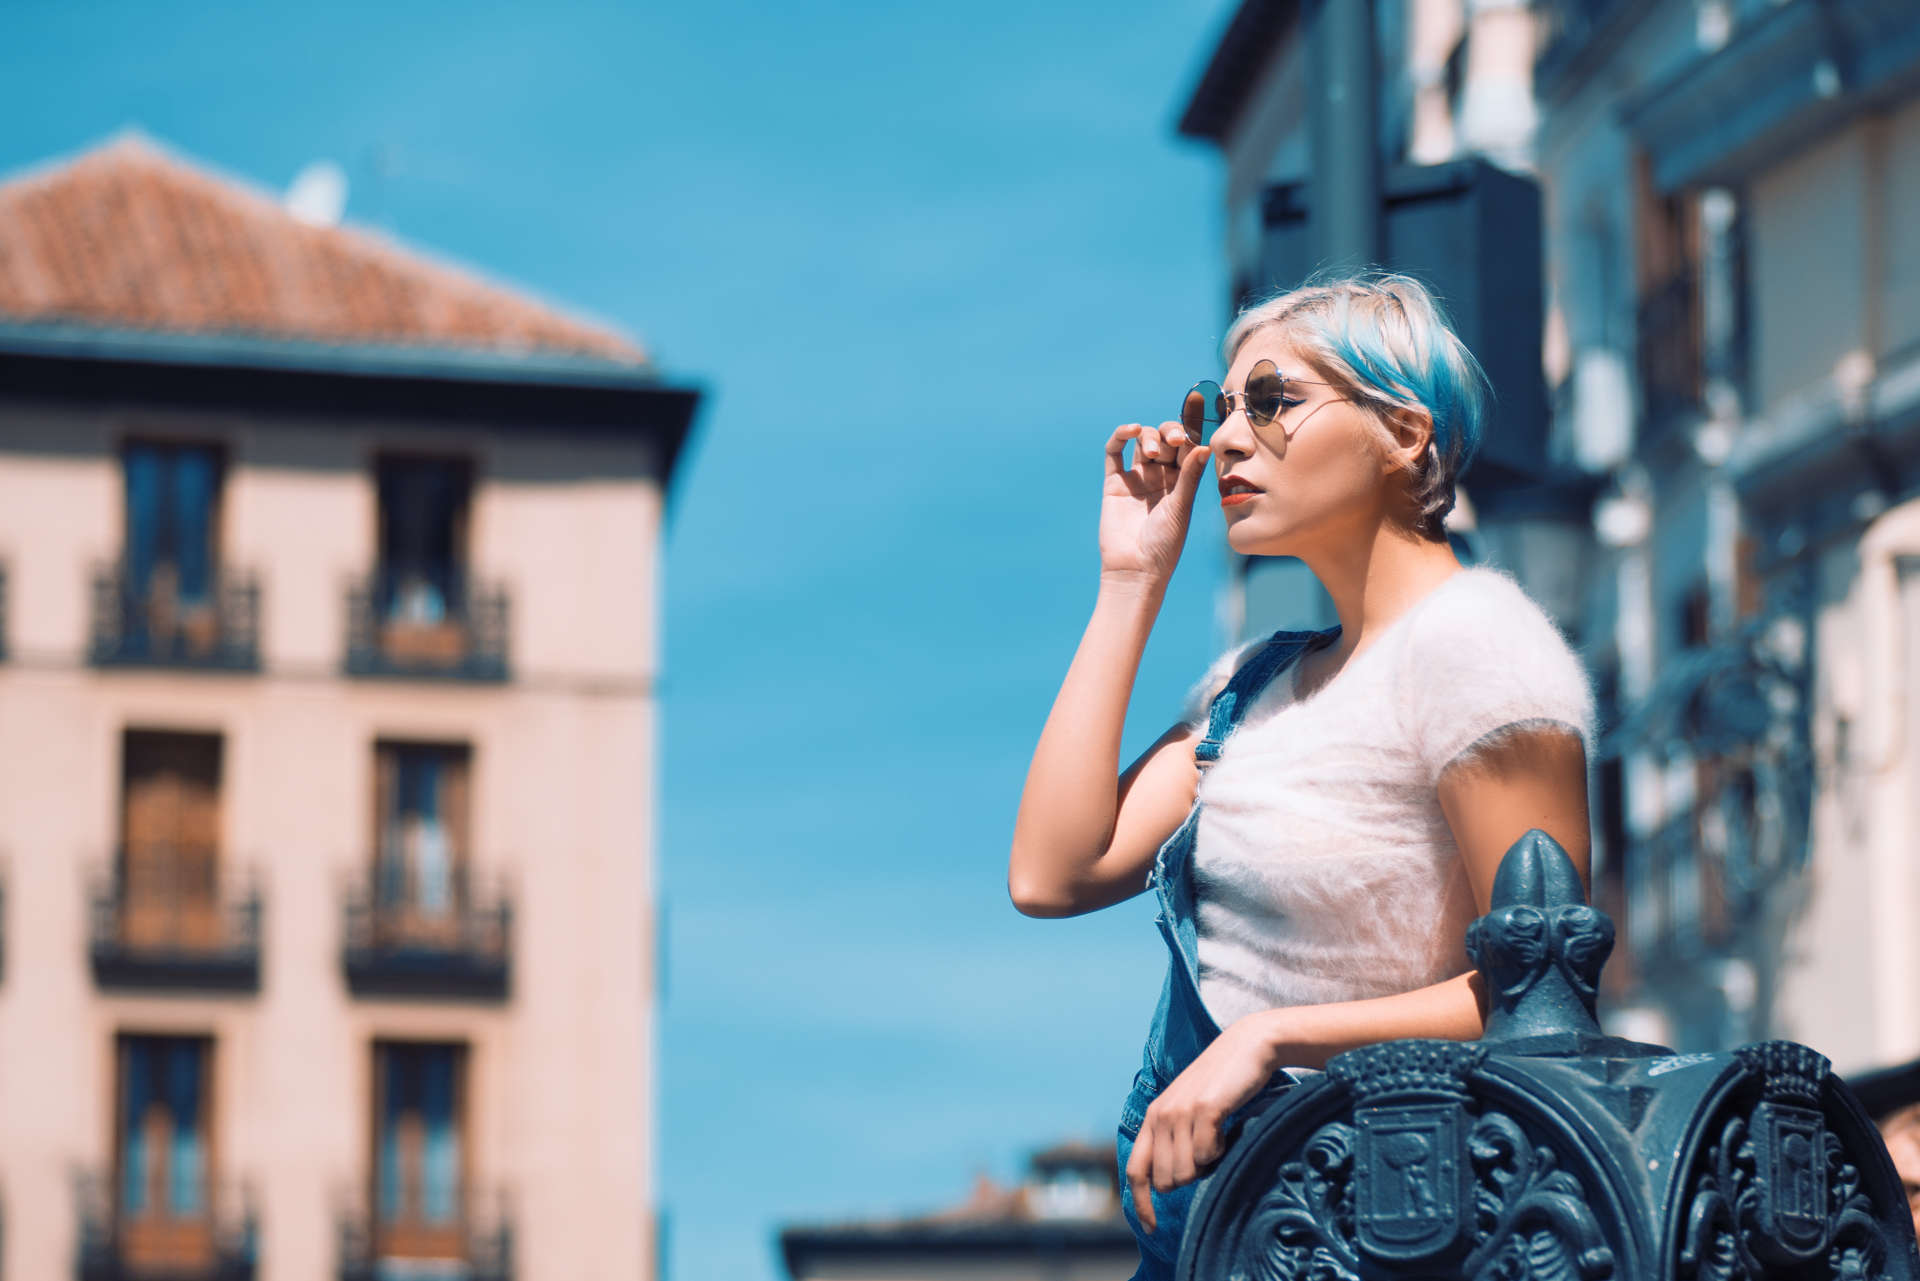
[(1226, 404)]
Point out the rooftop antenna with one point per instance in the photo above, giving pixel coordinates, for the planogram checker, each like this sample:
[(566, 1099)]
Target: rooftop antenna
[(318, 195)]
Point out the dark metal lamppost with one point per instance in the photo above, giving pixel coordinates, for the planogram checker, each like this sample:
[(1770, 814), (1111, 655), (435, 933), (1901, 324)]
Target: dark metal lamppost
[(1548, 1151)]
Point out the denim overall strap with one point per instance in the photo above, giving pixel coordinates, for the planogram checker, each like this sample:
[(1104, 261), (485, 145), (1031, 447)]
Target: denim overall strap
[(1230, 705), (1183, 1027)]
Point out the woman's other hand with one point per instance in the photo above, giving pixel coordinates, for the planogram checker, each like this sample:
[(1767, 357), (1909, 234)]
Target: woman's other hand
[(1145, 508), (1180, 1138)]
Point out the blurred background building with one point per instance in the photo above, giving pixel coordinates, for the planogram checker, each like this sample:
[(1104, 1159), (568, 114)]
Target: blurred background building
[(326, 732), (1062, 1223), (1678, 234)]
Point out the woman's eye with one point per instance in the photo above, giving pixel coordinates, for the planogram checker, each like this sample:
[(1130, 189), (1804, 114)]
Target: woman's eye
[(1288, 402)]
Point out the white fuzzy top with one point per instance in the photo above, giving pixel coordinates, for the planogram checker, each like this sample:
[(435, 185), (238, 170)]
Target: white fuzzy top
[(1324, 869)]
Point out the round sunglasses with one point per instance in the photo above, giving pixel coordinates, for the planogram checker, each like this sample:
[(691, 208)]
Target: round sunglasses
[(1264, 400)]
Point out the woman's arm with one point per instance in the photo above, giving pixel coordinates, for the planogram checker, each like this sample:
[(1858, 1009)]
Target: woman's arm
[(1081, 842), (1491, 799)]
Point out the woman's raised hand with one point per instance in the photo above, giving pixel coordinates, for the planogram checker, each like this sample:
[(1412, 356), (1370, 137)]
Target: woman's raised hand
[(1144, 509)]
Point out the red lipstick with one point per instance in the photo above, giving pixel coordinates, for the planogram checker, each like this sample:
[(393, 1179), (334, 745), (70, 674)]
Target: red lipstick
[(1234, 491)]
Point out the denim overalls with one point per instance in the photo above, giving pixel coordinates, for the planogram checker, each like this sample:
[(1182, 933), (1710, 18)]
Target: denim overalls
[(1182, 1028)]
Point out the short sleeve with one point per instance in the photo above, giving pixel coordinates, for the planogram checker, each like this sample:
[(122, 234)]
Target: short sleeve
[(1485, 659)]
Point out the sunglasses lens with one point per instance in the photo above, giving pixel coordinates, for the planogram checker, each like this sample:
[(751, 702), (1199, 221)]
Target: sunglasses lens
[(1265, 386), (1202, 412)]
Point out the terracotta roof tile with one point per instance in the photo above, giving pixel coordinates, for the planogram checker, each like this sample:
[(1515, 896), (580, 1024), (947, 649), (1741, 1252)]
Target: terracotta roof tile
[(129, 236)]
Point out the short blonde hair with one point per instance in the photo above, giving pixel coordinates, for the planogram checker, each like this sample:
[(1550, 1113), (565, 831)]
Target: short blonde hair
[(1384, 340)]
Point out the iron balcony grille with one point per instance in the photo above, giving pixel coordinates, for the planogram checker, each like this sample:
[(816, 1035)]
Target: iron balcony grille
[(180, 923), (216, 1241), (1568, 31), (475, 1245), (149, 625), (442, 625), (398, 944), (1668, 341)]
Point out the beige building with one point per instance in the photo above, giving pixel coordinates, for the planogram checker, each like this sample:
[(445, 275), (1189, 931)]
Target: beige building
[(326, 748)]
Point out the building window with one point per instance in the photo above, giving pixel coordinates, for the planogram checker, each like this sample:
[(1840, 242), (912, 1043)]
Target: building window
[(162, 1174), (422, 839), (172, 497), (170, 836), (423, 536), (1667, 279), (419, 1161), (168, 916), (421, 613), (421, 926), (167, 602)]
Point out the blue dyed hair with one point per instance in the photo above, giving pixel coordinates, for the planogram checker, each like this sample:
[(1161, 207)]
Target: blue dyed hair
[(1383, 340)]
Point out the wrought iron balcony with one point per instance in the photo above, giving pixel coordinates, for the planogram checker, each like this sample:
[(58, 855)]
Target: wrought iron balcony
[(443, 626), (1668, 338), (475, 1243), (454, 942), (1572, 34), (215, 1240), (180, 923), (149, 625)]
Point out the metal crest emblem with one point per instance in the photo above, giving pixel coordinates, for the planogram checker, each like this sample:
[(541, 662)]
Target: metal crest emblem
[(1411, 1179), (1792, 1166)]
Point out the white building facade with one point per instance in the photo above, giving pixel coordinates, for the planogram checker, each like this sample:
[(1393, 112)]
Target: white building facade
[(1716, 503)]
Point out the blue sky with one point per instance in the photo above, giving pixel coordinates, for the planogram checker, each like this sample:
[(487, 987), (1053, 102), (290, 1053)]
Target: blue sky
[(924, 257)]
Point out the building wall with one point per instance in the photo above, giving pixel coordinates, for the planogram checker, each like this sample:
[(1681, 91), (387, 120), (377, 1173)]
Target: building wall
[(1698, 553), (1809, 219), (559, 1073)]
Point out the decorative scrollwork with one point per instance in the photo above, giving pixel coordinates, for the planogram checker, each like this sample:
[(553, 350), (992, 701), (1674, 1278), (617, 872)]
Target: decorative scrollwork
[(1530, 1217), (1525, 1219), (1303, 1229), (1774, 1195)]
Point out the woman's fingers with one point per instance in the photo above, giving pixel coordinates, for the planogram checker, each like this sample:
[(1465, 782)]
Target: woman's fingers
[(1160, 445), (1176, 1166), (1206, 1147), (1139, 1178), (1169, 440), (1175, 437), (1117, 447), (1187, 484)]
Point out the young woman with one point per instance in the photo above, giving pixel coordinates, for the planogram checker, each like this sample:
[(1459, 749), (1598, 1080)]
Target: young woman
[(1325, 826)]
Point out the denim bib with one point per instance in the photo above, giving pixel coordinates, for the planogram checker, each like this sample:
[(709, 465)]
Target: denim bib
[(1182, 1028)]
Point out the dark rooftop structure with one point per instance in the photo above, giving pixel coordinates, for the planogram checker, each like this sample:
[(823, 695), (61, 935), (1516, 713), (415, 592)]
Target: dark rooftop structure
[(1064, 1220)]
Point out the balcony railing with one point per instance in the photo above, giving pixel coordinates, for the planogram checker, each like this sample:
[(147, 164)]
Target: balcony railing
[(1568, 30), (443, 626), (475, 1244), (214, 1241), (149, 625), (177, 923), (453, 943), (1668, 338)]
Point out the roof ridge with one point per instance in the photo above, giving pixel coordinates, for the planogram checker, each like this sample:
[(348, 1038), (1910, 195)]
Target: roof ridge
[(113, 235)]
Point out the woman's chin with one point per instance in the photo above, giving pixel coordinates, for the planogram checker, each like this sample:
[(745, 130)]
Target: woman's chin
[(1250, 538)]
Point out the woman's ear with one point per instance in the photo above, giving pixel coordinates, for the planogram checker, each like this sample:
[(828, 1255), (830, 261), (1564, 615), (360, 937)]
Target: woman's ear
[(1411, 431)]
